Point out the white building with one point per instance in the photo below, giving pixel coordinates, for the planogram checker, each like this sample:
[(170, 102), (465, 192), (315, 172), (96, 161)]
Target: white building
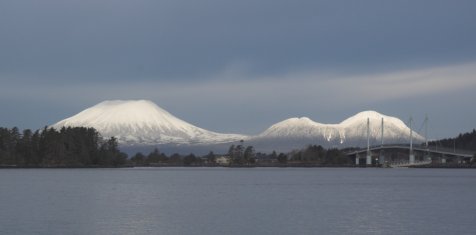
[(222, 160)]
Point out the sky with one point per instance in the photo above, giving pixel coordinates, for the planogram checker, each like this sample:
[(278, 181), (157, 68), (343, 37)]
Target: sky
[(240, 66)]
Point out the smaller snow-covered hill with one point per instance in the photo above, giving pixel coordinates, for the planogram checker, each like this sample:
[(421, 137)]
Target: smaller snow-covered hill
[(297, 132)]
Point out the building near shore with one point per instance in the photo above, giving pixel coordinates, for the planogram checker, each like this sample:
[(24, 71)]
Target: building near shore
[(222, 160)]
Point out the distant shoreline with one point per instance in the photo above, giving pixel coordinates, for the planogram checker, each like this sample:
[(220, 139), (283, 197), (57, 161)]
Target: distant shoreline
[(432, 166), (446, 166), (62, 167)]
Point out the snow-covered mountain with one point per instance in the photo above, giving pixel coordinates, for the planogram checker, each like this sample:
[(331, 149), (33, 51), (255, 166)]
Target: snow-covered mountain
[(142, 122), (298, 132)]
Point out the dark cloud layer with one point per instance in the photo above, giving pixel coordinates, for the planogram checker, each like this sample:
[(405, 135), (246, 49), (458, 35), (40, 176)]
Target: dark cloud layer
[(193, 39)]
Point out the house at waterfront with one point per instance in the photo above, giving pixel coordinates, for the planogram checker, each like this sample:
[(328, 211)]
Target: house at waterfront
[(222, 160)]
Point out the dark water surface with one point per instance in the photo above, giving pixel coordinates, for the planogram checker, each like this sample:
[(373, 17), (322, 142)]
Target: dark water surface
[(237, 201)]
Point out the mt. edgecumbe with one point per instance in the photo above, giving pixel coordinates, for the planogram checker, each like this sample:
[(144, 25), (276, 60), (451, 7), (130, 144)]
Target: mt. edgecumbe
[(142, 122)]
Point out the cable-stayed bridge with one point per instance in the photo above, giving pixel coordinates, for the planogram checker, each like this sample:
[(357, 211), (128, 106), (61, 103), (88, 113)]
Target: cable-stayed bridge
[(416, 155), (421, 155)]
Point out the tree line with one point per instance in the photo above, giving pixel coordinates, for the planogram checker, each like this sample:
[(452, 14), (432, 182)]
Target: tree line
[(316, 154), (84, 147), (241, 155), (156, 158), (465, 141), (67, 147)]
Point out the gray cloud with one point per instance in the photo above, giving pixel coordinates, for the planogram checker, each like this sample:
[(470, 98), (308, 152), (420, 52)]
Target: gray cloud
[(189, 40), (248, 63)]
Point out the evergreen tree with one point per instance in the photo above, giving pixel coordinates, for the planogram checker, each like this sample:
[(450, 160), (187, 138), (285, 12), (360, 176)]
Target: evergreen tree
[(249, 154), (282, 158), (189, 160), (138, 159), (175, 158), (211, 158), (110, 154), (154, 156), (238, 154)]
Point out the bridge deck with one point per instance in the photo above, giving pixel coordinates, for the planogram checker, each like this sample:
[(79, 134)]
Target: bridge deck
[(450, 152)]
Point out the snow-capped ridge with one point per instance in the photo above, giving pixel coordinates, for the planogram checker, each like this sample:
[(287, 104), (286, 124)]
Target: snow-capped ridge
[(349, 132)]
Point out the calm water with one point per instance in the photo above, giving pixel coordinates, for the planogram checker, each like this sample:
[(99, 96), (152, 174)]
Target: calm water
[(237, 201)]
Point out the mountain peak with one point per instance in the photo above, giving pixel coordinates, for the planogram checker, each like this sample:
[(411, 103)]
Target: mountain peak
[(369, 113), (126, 102), (143, 122), (298, 120), (125, 106), (294, 122), (375, 119)]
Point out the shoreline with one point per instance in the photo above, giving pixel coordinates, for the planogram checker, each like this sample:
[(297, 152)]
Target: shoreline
[(296, 165)]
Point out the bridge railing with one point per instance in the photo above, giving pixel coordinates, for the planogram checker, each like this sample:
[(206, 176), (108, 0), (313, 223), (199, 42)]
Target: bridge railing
[(433, 149), (407, 163)]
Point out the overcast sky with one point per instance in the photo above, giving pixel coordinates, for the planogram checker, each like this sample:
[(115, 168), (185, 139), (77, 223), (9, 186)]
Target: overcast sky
[(241, 66)]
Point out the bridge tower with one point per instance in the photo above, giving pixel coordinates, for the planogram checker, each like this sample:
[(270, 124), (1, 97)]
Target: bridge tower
[(382, 156), (411, 157), (369, 156), (426, 139), (426, 131)]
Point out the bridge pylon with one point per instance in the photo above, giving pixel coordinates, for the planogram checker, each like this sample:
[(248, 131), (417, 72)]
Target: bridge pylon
[(381, 159), (369, 156), (411, 157)]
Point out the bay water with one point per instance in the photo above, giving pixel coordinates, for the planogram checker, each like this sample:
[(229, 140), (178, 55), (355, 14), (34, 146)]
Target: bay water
[(238, 201)]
